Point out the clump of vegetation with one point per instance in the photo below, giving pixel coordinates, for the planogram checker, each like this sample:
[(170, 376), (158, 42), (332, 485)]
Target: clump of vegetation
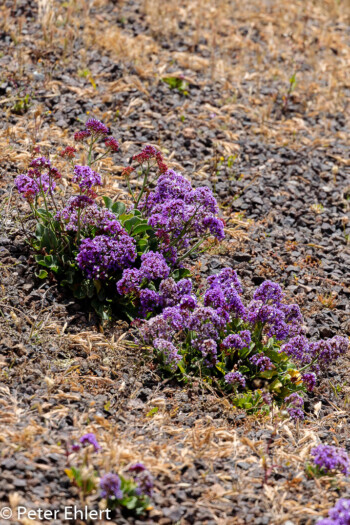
[(259, 352), (115, 254), (131, 490)]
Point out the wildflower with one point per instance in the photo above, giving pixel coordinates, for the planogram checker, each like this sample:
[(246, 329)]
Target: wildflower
[(148, 153), (130, 281), (169, 351), (96, 127), (110, 485), (298, 348), (309, 381), (112, 144), (137, 467), (154, 266), (233, 378), (295, 403), (80, 136), (91, 439), (339, 514), (262, 362), (27, 186), (149, 301), (68, 152), (328, 458), (40, 163), (188, 302), (269, 291), (237, 341), (127, 171), (86, 178), (329, 350), (98, 258)]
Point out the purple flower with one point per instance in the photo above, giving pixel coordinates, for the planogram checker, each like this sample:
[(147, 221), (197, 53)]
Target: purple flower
[(40, 163), (339, 514), (237, 341), (154, 266), (137, 467), (262, 362), (110, 485), (149, 301), (227, 278), (298, 348), (208, 349), (188, 302), (169, 351), (27, 186), (295, 403), (96, 127), (90, 439), (130, 281), (329, 350), (269, 291), (148, 153), (215, 226), (235, 378), (100, 257), (86, 178), (327, 458), (80, 136), (309, 380)]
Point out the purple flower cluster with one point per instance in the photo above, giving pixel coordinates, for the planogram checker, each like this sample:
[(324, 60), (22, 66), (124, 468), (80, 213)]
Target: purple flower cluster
[(98, 258), (309, 381), (339, 514), (279, 320), (320, 353), (110, 485), (30, 184), (223, 293), (86, 178), (96, 127), (82, 212), (237, 341), (295, 404), (90, 439), (180, 214), (154, 266), (329, 458), (143, 479), (262, 362), (169, 351), (233, 378)]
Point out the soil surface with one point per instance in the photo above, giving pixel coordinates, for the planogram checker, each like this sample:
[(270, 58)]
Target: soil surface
[(257, 108)]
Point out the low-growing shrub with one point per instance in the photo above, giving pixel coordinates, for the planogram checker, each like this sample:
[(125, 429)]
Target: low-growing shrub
[(257, 352), (115, 254)]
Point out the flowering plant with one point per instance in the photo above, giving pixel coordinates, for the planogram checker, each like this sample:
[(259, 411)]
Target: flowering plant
[(327, 460), (257, 352), (116, 254), (131, 490)]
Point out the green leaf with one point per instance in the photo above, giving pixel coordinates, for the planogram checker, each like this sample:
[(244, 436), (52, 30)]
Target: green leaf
[(108, 202), (42, 274), (130, 223), (39, 230), (142, 228), (141, 246), (153, 411), (181, 273), (118, 208)]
